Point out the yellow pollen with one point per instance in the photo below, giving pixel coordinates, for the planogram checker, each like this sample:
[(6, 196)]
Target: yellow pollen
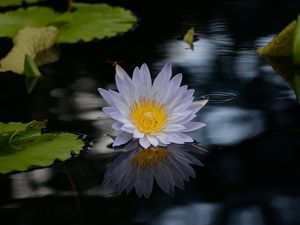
[(148, 116), (150, 157)]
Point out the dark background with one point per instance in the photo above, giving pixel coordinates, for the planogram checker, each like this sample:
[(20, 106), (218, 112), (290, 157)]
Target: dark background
[(252, 172)]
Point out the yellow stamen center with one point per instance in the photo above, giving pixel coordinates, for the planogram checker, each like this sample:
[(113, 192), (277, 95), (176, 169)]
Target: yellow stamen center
[(148, 116), (150, 157)]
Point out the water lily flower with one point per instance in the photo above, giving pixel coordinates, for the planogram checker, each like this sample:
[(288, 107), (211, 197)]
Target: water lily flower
[(137, 168), (156, 113)]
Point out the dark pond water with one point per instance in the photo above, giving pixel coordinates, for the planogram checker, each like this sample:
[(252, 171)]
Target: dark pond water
[(252, 173)]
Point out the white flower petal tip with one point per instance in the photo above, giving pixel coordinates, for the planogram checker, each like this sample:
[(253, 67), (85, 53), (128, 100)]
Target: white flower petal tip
[(139, 168), (202, 102), (121, 72), (155, 113)]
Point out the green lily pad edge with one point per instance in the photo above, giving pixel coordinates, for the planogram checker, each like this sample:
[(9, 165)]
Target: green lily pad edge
[(6, 3), (24, 146), (85, 23)]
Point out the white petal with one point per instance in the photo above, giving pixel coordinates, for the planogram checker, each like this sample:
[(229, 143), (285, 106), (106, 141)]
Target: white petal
[(176, 116), (121, 72), (184, 137), (138, 86), (120, 102), (138, 134), (162, 79), (128, 128), (191, 126), (177, 96), (183, 105), (201, 102), (147, 83), (175, 139), (164, 94), (189, 93), (122, 138), (195, 108), (184, 119), (176, 80), (125, 88), (106, 95), (166, 72), (136, 77), (144, 142), (173, 128), (184, 102), (163, 138), (118, 116), (117, 125), (153, 140), (109, 110)]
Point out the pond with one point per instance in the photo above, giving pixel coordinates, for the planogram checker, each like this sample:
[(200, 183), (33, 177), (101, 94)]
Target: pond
[(252, 169)]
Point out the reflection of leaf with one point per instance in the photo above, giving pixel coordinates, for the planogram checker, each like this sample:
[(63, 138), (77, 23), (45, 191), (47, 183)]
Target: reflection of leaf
[(296, 45), (30, 83), (23, 145), (4, 3), (189, 37), (32, 73), (88, 21), (29, 41), (282, 44), (49, 55)]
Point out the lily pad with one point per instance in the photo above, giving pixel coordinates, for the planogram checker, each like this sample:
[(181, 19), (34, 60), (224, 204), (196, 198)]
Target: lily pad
[(23, 145), (282, 44), (4, 3), (296, 45), (90, 21), (286, 68), (13, 21), (86, 22)]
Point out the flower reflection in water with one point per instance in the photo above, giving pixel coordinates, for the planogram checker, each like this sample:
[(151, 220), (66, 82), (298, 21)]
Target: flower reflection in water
[(138, 167)]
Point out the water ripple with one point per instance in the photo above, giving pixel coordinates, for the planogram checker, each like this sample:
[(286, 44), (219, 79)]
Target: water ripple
[(219, 97)]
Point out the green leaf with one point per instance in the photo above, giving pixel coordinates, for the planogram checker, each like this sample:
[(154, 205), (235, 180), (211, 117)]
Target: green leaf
[(189, 37), (12, 21), (4, 3), (296, 45), (86, 22), (22, 145), (30, 68), (281, 44), (286, 68), (90, 21)]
